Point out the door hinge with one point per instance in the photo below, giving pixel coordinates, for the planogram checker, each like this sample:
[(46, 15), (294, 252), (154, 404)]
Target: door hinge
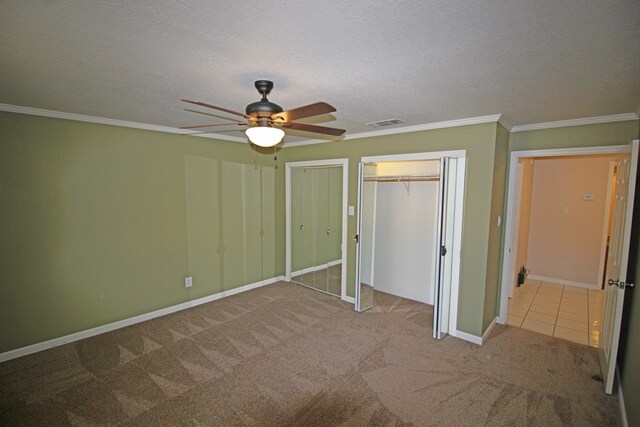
[(443, 251), (356, 239)]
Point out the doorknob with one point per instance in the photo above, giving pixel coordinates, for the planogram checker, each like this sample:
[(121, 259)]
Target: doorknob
[(620, 284), (301, 227), (328, 230)]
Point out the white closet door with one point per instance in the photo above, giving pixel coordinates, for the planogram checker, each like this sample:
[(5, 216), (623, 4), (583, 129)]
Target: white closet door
[(617, 261), (444, 242)]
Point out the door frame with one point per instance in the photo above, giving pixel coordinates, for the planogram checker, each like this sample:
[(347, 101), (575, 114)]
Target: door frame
[(516, 231), (605, 226), (345, 197), (513, 194), (461, 156)]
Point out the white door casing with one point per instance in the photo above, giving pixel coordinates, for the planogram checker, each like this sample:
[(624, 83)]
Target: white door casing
[(359, 306), (510, 242), (344, 163), (617, 261), (444, 266), (456, 215)]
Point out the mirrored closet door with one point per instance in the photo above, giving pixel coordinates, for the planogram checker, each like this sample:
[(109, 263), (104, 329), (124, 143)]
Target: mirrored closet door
[(316, 216)]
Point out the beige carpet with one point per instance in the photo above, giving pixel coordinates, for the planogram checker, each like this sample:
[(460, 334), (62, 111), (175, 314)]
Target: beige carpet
[(287, 355)]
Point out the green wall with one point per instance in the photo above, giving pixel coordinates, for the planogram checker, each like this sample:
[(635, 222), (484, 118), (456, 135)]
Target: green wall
[(102, 223), (575, 136), (494, 256), (479, 141)]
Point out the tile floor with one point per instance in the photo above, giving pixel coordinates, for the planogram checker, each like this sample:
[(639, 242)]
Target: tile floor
[(561, 311)]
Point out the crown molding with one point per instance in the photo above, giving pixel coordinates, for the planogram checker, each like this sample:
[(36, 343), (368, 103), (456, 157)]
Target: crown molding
[(111, 122), (499, 118), (406, 129), (427, 126), (505, 123), (577, 122)]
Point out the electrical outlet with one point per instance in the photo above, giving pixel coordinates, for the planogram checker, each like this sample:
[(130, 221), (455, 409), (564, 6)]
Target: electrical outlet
[(188, 282)]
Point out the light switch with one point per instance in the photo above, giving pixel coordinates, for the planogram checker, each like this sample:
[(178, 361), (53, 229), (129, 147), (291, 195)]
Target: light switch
[(352, 210)]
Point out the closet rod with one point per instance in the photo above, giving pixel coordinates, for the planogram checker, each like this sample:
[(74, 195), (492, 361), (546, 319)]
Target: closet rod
[(407, 178)]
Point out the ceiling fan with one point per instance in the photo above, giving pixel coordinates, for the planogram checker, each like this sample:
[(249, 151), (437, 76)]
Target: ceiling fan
[(267, 120)]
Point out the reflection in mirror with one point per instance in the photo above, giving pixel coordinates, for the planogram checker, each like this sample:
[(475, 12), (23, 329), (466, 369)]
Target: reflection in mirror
[(316, 227), (334, 231), (302, 236)]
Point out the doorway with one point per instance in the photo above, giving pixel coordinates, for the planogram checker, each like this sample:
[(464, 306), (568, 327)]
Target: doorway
[(409, 231), (316, 206), (557, 228)]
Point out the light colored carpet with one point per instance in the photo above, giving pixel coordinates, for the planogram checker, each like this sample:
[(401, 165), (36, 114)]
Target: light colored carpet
[(287, 355)]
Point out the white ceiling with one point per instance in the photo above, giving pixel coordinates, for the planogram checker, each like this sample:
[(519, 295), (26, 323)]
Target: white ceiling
[(420, 61)]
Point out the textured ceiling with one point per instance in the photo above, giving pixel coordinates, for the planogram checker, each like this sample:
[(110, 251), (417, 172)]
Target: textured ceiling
[(420, 61)]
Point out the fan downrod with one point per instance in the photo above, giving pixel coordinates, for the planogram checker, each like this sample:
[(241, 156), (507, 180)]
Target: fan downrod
[(264, 107)]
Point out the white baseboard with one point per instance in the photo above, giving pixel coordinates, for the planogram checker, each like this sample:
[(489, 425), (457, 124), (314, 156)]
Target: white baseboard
[(316, 268), (467, 337), (55, 342), (350, 300), (474, 338), (489, 329), (563, 282), (623, 408)]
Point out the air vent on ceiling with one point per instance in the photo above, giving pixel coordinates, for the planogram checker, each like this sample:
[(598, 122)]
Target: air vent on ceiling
[(384, 123)]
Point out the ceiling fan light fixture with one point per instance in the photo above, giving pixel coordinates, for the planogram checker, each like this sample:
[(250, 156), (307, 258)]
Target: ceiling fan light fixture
[(265, 136)]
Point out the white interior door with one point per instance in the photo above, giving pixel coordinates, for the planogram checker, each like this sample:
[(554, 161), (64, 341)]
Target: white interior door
[(617, 260), (444, 265)]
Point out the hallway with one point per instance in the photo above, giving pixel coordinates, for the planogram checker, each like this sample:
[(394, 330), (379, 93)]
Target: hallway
[(566, 312)]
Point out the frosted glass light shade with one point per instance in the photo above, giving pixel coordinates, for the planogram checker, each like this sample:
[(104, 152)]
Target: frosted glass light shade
[(264, 136)]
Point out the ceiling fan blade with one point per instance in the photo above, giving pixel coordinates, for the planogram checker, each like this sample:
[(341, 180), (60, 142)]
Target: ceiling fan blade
[(204, 104), (213, 124), (310, 110), (314, 128), (204, 113)]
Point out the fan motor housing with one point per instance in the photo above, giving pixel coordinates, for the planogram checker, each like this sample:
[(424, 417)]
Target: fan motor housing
[(263, 109)]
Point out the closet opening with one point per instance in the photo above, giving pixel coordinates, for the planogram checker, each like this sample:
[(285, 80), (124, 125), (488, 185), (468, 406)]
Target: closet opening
[(316, 206), (409, 231)]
